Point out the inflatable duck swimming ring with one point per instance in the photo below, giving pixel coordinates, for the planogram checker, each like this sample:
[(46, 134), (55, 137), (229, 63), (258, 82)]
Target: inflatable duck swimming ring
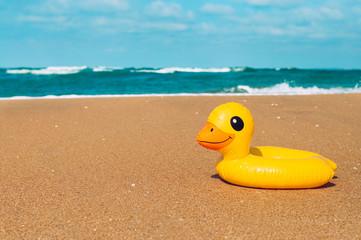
[(229, 130)]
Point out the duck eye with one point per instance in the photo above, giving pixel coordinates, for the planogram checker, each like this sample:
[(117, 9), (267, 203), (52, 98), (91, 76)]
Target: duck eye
[(237, 123)]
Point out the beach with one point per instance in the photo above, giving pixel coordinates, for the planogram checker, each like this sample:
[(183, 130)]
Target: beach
[(130, 168)]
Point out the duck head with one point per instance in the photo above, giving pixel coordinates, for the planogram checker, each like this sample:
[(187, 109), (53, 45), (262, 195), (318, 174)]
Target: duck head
[(229, 130)]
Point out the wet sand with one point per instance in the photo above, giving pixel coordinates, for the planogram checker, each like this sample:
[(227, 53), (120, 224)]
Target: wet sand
[(130, 168)]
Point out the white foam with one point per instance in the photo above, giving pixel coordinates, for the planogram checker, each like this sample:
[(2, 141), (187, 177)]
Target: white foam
[(106, 69), (241, 90), (48, 70), (158, 95), (178, 69), (285, 89), (238, 69)]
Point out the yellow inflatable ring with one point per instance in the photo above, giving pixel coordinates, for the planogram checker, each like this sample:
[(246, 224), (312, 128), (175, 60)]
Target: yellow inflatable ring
[(229, 130)]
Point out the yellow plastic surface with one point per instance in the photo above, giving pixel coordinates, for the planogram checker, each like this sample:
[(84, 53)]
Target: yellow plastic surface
[(261, 167)]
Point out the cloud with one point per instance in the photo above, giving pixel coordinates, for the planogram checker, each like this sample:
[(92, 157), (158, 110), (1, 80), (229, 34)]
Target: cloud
[(51, 6), (217, 8), (41, 19), (270, 30), (256, 18), (164, 26), (112, 25), (269, 18), (163, 9), (296, 22), (357, 10), (100, 21), (190, 15), (103, 5), (205, 28), (306, 14), (66, 6), (332, 13), (282, 3), (310, 15)]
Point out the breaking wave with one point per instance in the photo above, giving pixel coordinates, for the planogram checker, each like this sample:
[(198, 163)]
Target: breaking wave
[(106, 69), (191, 70), (286, 89), (47, 70), (84, 81), (62, 70)]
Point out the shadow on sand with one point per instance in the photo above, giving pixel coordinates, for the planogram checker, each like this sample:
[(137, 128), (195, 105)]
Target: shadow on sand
[(327, 185)]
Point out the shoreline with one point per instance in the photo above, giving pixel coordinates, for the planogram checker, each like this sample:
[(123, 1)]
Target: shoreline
[(130, 167), (166, 95)]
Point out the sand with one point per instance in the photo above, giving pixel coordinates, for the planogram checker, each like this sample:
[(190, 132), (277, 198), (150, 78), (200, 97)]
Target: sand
[(130, 168)]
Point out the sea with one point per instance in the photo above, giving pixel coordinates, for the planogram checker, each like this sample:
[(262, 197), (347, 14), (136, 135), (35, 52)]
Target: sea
[(102, 81)]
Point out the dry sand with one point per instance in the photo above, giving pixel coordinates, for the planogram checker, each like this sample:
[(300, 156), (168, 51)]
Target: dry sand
[(130, 168)]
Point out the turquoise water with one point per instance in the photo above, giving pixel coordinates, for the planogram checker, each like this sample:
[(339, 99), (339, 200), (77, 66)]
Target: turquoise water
[(105, 81)]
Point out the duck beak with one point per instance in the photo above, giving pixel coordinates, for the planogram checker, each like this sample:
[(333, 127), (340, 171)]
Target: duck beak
[(213, 138)]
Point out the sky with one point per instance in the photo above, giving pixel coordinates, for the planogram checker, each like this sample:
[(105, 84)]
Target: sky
[(185, 33)]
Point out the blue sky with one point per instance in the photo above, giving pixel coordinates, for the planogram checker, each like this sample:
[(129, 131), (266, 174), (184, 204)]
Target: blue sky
[(139, 33)]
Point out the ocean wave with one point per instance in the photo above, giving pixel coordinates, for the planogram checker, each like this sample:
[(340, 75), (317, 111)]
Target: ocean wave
[(106, 69), (241, 90), (191, 70), (286, 89), (47, 70), (286, 69), (62, 70)]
